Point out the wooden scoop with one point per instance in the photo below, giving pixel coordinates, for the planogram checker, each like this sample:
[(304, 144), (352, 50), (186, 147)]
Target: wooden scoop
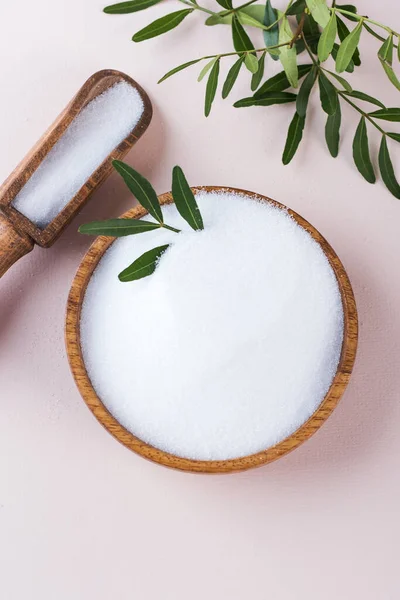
[(18, 234)]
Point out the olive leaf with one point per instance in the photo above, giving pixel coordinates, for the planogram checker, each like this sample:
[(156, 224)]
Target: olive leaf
[(332, 131), (365, 97), (310, 25), (311, 32), (251, 63), (211, 88), (343, 33), (385, 55), (391, 74), (241, 41), (385, 52), (394, 136), (252, 15), (297, 8), (179, 68), (258, 75), (245, 17), (327, 39), (328, 95), (232, 76), (144, 265), (386, 169), (349, 8), (118, 227), (255, 11), (280, 82), (162, 25), (388, 114), (267, 99), (350, 66), (347, 48), (225, 4), (218, 19), (207, 67), (271, 37), (184, 199), (294, 135), (347, 87), (319, 11), (141, 188), (287, 54), (361, 155), (129, 7), (304, 92), (372, 32)]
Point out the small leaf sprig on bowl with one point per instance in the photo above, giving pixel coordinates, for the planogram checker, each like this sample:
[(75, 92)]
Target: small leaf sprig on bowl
[(145, 194), (315, 27)]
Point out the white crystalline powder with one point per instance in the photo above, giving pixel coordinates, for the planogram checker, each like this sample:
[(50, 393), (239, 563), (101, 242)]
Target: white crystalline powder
[(87, 142), (230, 345)]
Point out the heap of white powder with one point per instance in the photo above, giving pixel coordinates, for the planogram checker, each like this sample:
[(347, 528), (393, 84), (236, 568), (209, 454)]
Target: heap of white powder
[(86, 143), (230, 345)]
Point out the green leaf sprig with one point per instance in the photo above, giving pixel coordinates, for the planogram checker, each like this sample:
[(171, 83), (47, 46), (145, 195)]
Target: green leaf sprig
[(317, 27), (145, 194)]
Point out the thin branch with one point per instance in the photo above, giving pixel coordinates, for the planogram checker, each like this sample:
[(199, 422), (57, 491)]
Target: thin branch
[(316, 63), (360, 17), (340, 92), (376, 35), (198, 7), (299, 31), (242, 52), (359, 110)]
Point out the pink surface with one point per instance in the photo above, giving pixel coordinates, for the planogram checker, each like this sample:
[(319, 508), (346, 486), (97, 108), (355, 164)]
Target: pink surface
[(80, 516)]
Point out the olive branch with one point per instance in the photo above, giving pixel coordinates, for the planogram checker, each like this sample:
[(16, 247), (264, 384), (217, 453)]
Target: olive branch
[(145, 194), (305, 26)]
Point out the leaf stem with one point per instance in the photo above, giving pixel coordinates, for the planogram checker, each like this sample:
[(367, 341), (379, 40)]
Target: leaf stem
[(362, 18), (240, 53), (266, 27), (340, 92), (232, 11), (311, 55), (198, 7), (376, 35), (299, 31), (170, 228), (258, 50), (243, 52), (358, 109), (226, 13), (248, 4)]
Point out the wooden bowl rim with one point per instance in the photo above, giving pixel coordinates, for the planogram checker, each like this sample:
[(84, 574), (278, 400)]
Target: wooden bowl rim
[(304, 432), (25, 169)]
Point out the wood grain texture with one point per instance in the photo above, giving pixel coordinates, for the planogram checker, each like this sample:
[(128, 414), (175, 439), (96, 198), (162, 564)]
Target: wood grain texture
[(268, 455), (13, 245), (95, 85)]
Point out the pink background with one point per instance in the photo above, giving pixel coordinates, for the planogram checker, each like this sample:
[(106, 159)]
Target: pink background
[(82, 517)]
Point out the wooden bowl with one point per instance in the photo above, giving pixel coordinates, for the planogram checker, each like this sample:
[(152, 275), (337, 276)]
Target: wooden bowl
[(335, 392)]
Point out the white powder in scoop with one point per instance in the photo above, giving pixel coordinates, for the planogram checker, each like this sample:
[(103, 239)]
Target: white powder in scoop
[(230, 345), (87, 142)]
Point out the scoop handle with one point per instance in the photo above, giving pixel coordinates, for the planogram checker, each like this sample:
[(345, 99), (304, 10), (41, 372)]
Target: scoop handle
[(13, 245)]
